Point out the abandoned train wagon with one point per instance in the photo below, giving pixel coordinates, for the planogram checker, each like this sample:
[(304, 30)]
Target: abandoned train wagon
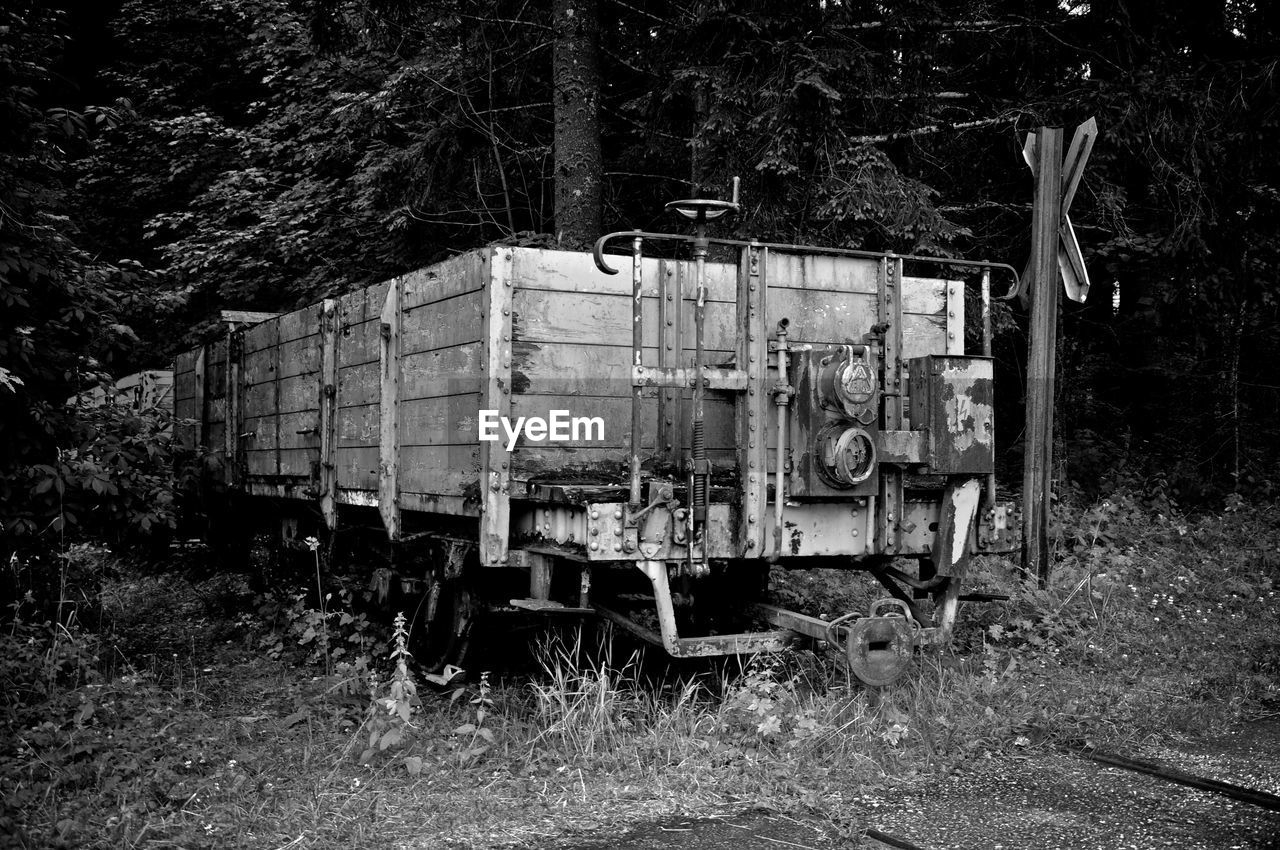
[(528, 429)]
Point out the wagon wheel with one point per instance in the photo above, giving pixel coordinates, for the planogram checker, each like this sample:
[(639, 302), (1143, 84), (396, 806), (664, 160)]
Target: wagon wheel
[(442, 628)]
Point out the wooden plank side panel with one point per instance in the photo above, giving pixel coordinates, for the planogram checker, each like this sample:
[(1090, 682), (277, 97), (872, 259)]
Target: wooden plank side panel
[(299, 393), (300, 356), (566, 271), (262, 336), (261, 462), (360, 341), (822, 273), (357, 467), (453, 470), (259, 366), (442, 281), (820, 317), (261, 432), (184, 386), (300, 323), (923, 335), (543, 316), (358, 426), (448, 420), (359, 385), (441, 324), (443, 372)]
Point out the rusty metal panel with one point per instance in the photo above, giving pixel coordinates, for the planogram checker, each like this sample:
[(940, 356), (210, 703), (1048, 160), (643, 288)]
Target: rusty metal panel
[(952, 401)]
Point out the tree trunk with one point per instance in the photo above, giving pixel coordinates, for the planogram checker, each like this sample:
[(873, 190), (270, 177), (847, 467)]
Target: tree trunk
[(576, 79)]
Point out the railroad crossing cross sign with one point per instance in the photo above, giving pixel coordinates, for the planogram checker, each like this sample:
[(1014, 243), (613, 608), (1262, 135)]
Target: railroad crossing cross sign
[(1075, 277)]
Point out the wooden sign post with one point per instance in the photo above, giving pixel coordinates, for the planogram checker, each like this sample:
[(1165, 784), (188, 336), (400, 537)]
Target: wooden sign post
[(1054, 251)]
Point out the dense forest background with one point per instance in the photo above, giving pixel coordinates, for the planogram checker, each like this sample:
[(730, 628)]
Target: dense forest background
[(160, 160)]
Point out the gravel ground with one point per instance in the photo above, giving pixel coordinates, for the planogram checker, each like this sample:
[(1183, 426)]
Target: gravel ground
[(1060, 801), (1045, 799), (1250, 758)]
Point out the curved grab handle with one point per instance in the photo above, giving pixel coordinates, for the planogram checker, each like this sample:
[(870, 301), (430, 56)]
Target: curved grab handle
[(598, 250)]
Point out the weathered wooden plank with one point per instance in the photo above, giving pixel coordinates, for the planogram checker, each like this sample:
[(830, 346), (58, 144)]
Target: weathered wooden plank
[(231, 391), (440, 469), (820, 317), (328, 483), (301, 392), (261, 462), (299, 323), (360, 343), (441, 324), (260, 432), (444, 280), (357, 467), (216, 434), (495, 460), (567, 317), (924, 295), (198, 434), (245, 317), (299, 462), (259, 399), (389, 410), (446, 371), (923, 335), (184, 385), (450, 420), (359, 385), (215, 410), (259, 366), (822, 273), (351, 307), (358, 426), (564, 271), (259, 337), (300, 356), (216, 352), (375, 297), (184, 361), (300, 430)]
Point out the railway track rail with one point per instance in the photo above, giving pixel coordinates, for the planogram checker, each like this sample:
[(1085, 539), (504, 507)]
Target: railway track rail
[(1170, 774)]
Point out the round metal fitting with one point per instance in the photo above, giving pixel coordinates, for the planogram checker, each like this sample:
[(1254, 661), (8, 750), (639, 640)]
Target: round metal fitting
[(847, 454), (878, 649)]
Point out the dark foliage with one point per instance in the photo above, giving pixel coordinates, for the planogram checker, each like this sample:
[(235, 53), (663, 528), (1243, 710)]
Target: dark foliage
[(261, 154)]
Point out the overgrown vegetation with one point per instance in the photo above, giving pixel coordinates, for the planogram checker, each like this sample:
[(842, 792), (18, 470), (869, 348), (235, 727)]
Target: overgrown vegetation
[(150, 709)]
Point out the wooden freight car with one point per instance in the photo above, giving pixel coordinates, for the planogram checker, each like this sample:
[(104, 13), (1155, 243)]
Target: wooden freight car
[(688, 424)]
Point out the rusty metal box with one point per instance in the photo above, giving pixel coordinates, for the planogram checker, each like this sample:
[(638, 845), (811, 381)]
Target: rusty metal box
[(952, 401)]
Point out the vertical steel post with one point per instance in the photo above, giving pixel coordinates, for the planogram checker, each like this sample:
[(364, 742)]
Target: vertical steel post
[(637, 359), (986, 352), (1043, 289), (701, 471)]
